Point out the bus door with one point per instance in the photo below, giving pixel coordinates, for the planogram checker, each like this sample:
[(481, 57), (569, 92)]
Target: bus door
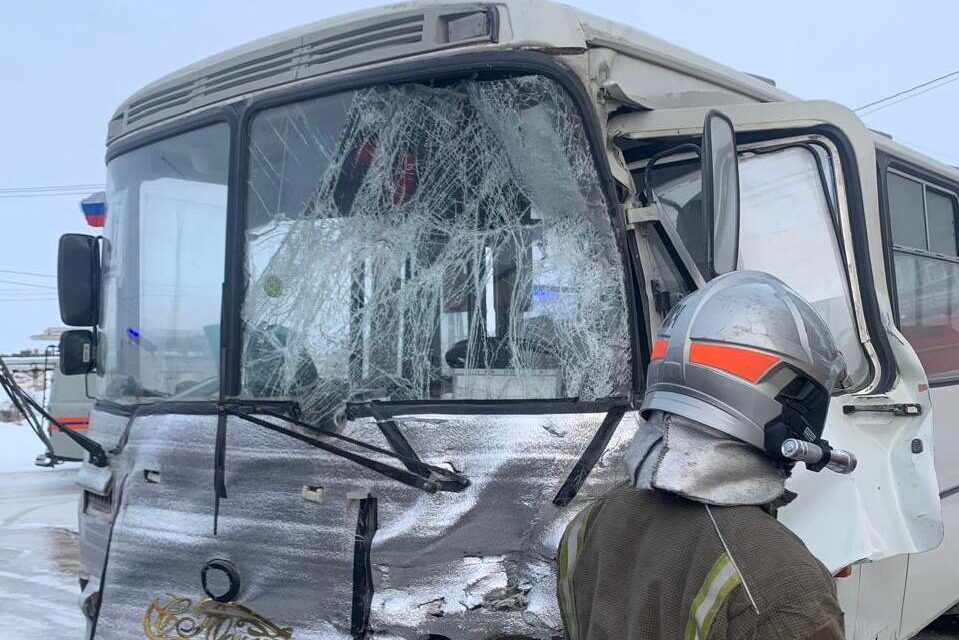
[(809, 215)]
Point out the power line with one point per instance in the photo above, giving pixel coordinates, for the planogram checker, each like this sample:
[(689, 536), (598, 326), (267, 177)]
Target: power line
[(949, 77), (54, 194), (27, 284), (61, 187), (909, 97), (28, 273), (51, 191)]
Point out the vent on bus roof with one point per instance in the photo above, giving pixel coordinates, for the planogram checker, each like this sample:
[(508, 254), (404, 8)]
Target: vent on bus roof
[(235, 75), (383, 35), (169, 97), (304, 55), (249, 71)]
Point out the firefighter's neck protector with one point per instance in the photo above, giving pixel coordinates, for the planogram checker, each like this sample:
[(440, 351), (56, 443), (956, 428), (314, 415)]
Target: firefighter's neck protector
[(688, 458)]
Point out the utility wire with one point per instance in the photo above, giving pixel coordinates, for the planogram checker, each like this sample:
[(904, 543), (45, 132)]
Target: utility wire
[(54, 194), (28, 273), (50, 191), (28, 284), (949, 77), (62, 187)]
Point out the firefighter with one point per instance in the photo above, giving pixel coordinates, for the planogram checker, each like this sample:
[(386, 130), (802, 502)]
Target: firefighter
[(689, 547)]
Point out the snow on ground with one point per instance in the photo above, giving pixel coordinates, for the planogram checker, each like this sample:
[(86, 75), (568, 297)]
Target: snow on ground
[(39, 557), (19, 447)]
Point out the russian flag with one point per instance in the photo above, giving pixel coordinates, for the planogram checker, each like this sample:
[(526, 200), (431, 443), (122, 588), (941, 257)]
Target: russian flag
[(95, 208)]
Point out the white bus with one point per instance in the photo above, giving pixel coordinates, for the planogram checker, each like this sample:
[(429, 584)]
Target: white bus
[(429, 228)]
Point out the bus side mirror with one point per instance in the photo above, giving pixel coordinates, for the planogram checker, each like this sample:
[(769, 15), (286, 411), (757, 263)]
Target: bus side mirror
[(78, 279), (721, 192), (77, 352)]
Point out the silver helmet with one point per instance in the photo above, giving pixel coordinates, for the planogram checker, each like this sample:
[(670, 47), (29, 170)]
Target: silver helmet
[(748, 356)]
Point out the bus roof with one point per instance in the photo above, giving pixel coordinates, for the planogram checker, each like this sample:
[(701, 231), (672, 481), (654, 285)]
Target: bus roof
[(402, 30), (893, 147)]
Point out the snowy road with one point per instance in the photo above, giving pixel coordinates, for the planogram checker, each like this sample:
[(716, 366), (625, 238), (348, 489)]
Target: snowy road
[(39, 591)]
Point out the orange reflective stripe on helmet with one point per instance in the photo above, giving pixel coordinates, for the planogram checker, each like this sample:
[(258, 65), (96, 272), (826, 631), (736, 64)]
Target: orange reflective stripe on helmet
[(748, 364), (659, 349)]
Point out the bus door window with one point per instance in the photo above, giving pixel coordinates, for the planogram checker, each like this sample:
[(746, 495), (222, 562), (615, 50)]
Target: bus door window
[(787, 228), (922, 222)]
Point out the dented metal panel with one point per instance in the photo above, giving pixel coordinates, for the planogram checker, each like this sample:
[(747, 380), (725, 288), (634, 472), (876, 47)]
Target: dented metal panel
[(451, 564)]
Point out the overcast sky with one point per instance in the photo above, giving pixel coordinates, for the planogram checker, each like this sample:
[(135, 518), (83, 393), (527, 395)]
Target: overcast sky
[(65, 66)]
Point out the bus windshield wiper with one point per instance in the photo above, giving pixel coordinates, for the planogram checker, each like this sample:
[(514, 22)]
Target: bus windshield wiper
[(26, 405), (417, 474)]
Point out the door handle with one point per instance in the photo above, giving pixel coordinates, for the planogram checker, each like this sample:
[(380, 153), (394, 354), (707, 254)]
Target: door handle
[(897, 409)]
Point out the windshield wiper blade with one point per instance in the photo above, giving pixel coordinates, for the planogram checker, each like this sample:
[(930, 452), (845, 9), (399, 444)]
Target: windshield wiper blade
[(417, 474), (25, 404)]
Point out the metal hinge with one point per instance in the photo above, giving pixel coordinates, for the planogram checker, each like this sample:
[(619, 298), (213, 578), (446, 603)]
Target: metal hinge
[(898, 409), (638, 215)]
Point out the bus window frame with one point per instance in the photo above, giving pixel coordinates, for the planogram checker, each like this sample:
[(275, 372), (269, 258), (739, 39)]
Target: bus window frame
[(476, 64), (886, 163)]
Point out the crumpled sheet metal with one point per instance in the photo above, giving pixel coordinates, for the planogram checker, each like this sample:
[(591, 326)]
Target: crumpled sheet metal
[(478, 564)]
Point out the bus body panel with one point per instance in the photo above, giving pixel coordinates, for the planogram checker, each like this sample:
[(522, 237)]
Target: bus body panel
[(932, 583)]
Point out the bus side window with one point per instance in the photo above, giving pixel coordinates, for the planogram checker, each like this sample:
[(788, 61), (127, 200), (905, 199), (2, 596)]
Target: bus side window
[(922, 223)]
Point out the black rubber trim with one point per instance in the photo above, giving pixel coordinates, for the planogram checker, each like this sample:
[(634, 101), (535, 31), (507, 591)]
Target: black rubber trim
[(219, 469), (366, 526), (582, 468), (386, 410), (860, 241), (232, 573)]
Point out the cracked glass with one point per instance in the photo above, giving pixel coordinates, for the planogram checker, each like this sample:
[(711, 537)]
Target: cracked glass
[(419, 242)]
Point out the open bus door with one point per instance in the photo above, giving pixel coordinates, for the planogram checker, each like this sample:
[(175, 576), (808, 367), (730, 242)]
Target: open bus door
[(810, 217)]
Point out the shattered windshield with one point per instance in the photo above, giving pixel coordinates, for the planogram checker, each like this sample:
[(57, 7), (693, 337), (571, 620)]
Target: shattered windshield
[(163, 257), (413, 242)]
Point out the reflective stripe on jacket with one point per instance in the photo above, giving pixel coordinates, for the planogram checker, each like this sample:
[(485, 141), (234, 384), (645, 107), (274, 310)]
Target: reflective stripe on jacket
[(648, 565)]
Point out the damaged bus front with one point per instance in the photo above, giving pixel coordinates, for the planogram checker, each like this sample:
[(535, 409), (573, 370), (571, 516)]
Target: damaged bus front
[(420, 357), (369, 322)]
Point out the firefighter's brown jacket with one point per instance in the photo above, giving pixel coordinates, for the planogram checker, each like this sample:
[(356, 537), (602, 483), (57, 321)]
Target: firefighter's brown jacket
[(650, 565)]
